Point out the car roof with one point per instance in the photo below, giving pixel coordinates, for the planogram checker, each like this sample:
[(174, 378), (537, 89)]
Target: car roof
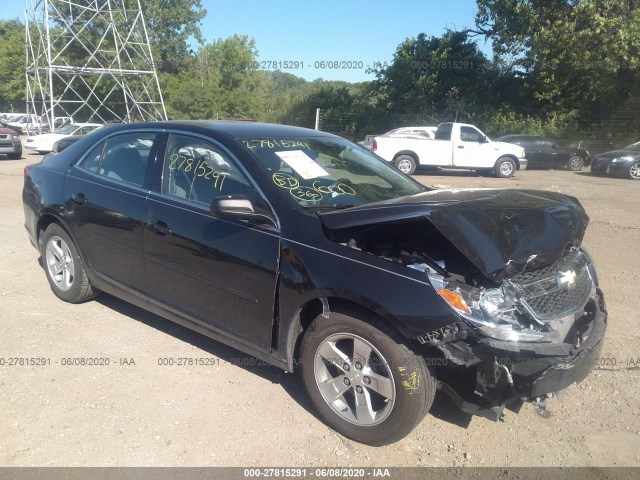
[(238, 129), (523, 137), (78, 124)]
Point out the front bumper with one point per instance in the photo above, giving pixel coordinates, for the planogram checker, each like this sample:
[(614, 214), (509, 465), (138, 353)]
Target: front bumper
[(523, 163), (484, 376), (10, 148), (607, 167)]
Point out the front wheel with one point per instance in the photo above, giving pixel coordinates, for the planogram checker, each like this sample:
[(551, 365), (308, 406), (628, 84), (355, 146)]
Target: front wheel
[(576, 163), (505, 167), (63, 266), (363, 378), (634, 171), (406, 164)]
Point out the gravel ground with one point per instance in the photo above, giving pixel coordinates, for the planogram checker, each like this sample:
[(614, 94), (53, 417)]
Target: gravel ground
[(238, 412)]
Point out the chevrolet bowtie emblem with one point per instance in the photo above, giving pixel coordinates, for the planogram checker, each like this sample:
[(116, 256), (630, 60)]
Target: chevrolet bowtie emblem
[(567, 279)]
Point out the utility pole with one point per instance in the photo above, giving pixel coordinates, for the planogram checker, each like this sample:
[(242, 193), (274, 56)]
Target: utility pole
[(90, 60), (317, 119)]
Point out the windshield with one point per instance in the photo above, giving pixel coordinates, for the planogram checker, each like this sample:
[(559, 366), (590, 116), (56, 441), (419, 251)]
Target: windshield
[(634, 147), (330, 172), (68, 129)]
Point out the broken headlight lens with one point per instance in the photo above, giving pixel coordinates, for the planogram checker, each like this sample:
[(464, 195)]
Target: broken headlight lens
[(492, 311)]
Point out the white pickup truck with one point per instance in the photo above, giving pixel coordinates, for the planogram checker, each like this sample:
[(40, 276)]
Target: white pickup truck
[(456, 145)]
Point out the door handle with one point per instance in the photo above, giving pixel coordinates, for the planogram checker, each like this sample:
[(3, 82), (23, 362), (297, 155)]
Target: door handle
[(79, 198), (460, 146), (161, 228)]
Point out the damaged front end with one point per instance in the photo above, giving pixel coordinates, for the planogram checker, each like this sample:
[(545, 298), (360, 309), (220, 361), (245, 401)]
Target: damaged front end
[(528, 318), (528, 339)]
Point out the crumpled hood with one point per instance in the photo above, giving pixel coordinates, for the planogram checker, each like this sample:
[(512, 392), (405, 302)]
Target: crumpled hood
[(501, 232)]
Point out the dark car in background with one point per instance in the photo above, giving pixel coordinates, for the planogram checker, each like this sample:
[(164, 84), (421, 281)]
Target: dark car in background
[(10, 143), (313, 254), (543, 153), (620, 163), (18, 130), (64, 142)]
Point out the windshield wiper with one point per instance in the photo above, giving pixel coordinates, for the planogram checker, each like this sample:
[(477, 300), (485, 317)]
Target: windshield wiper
[(333, 206)]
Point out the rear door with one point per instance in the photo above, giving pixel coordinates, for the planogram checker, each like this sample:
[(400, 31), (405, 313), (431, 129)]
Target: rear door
[(218, 273), (105, 203)]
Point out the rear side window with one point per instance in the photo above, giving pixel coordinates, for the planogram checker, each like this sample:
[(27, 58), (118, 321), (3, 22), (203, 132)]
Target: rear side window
[(198, 171), (444, 131), (121, 157)]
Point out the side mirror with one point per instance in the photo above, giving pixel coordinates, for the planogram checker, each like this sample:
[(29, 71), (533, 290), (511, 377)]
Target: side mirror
[(483, 139), (555, 146), (238, 207)]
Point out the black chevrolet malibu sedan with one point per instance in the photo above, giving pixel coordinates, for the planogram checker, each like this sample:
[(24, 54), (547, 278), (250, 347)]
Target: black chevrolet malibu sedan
[(309, 252)]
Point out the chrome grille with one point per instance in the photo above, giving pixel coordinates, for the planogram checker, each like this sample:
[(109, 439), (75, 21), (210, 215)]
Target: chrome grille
[(557, 290)]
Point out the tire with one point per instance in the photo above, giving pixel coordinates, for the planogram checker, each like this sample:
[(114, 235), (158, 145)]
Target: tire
[(505, 168), (406, 164), (63, 266), (14, 156), (634, 171), (404, 387), (576, 162)]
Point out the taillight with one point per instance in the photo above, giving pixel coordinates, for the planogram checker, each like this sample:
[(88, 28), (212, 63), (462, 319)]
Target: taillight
[(375, 145), (27, 170)]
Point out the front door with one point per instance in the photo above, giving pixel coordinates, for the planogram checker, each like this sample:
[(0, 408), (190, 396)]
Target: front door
[(219, 273)]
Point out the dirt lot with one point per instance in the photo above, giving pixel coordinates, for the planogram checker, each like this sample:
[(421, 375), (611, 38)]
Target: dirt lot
[(236, 413)]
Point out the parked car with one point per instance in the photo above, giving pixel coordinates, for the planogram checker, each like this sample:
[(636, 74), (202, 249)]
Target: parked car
[(18, 130), (10, 143), (622, 163), (311, 253), (65, 142), (28, 123), (456, 145), (415, 132), (58, 123), (543, 153), (44, 143), (427, 132)]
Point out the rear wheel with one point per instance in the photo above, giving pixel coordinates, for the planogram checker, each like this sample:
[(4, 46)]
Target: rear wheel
[(505, 167), (634, 171), (63, 266), (406, 164), (576, 163), (363, 378)]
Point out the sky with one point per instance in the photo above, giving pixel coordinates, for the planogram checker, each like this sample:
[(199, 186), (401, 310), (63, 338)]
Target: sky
[(349, 36)]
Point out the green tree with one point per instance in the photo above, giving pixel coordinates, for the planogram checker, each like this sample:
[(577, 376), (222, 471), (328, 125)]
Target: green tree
[(435, 76), (170, 26), (12, 83), (581, 55)]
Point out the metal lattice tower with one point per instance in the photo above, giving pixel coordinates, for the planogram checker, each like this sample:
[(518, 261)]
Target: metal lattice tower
[(90, 60)]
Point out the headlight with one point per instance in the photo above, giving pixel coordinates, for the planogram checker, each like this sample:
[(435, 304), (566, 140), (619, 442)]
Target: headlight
[(492, 311), (15, 138), (622, 159)]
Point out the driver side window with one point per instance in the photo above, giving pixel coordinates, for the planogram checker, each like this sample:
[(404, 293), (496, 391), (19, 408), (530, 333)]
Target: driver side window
[(468, 134), (198, 171)]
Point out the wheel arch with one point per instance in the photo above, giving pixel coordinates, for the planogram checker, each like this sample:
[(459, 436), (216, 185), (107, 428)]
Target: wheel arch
[(43, 223), (410, 153), (314, 307), (46, 219), (509, 156)]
